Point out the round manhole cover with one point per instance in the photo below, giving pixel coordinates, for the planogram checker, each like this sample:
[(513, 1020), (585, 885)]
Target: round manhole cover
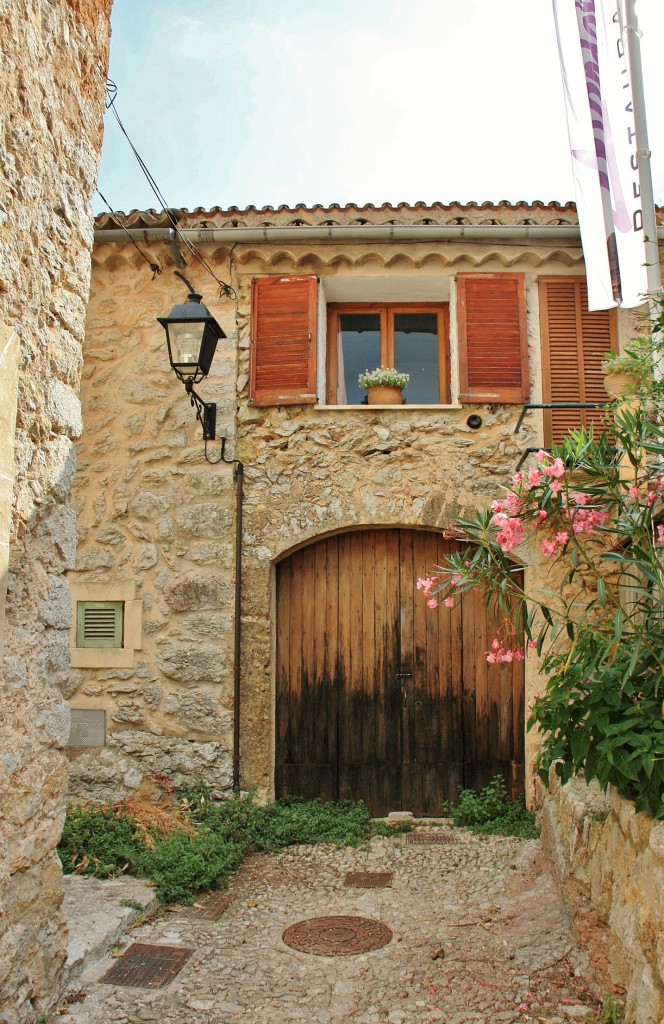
[(337, 936)]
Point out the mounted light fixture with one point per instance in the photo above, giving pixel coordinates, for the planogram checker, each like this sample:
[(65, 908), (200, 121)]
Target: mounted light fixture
[(192, 334)]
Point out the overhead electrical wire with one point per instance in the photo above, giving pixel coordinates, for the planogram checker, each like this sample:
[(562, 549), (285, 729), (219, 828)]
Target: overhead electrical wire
[(225, 290), (154, 267)]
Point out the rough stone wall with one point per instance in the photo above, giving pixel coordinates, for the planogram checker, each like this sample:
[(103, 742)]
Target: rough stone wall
[(615, 858), (53, 68), (152, 512)]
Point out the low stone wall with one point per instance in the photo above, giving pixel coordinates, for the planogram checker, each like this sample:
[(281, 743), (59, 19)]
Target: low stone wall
[(106, 775), (615, 858)]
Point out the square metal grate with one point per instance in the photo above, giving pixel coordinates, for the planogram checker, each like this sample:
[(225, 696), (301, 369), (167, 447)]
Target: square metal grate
[(430, 838), (369, 879), (211, 909), (147, 966)]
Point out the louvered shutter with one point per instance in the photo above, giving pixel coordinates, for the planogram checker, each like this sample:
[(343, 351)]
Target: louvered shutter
[(493, 340), (574, 343), (99, 623), (283, 341)]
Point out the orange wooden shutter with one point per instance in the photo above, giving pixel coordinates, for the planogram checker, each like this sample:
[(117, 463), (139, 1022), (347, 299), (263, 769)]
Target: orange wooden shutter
[(574, 343), (493, 341), (283, 341)]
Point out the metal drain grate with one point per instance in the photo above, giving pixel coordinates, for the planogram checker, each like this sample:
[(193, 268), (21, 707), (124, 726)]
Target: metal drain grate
[(369, 879), (337, 936), (430, 838), (147, 966), (212, 909)]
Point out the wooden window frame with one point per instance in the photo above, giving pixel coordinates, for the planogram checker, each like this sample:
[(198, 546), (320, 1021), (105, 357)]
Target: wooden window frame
[(387, 312)]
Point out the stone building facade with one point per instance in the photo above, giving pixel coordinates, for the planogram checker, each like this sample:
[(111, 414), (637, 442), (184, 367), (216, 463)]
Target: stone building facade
[(54, 60), (157, 523)]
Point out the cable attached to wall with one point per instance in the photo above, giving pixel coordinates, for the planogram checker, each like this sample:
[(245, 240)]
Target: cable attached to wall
[(225, 290), (154, 267)]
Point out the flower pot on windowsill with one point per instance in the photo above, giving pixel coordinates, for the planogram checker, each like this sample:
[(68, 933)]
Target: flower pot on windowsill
[(384, 396)]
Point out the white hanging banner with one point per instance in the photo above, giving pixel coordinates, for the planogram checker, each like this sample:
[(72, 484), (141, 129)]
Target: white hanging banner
[(600, 122)]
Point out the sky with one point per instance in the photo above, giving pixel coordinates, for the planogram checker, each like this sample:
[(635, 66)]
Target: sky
[(271, 102)]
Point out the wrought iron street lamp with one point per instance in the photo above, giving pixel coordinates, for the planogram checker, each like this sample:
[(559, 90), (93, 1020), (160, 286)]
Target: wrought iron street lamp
[(192, 334)]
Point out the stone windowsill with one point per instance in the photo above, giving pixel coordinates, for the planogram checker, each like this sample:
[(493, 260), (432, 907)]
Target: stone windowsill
[(373, 408)]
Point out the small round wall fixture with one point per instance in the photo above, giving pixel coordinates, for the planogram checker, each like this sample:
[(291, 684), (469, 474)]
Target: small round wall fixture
[(337, 936), (474, 421)]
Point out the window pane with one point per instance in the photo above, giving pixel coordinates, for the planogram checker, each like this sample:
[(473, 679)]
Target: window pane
[(416, 353), (358, 349)]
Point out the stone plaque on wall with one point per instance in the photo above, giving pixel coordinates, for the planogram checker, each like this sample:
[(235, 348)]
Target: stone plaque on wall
[(88, 728)]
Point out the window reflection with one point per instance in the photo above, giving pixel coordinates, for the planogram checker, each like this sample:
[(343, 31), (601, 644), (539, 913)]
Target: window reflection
[(416, 353), (358, 349)]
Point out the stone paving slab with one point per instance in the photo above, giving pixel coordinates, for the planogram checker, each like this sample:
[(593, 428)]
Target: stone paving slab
[(99, 911), (479, 935)]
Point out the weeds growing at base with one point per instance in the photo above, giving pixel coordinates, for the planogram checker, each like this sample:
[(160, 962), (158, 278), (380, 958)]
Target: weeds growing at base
[(196, 843), (491, 812)]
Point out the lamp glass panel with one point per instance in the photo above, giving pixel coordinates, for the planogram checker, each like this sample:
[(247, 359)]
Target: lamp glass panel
[(185, 342)]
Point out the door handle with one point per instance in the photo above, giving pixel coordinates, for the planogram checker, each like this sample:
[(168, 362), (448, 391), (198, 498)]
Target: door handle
[(404, 675)]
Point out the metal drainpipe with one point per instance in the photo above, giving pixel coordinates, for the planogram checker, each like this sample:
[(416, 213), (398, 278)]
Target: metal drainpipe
[(239, 494), (237, 645)]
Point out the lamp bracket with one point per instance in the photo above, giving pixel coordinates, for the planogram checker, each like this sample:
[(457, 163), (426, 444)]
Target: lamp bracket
[(191, 288), (206, 412)]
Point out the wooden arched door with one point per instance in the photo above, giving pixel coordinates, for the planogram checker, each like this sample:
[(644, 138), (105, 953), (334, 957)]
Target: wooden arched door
[(379, 698)]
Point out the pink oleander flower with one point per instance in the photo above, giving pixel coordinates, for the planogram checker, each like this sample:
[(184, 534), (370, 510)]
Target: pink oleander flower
[(541, 516), (432, 602), (512, 503), (534, 477), (541, 456), (633, 492), (510, 530), (660, 533), (426, 584), (651, 498), (556, 469), (501, 649), (556, 486), (550, 546), (449, 602), (581, 498)]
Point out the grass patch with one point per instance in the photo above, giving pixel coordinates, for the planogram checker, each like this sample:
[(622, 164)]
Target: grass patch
[(491, 812), (207, 841)]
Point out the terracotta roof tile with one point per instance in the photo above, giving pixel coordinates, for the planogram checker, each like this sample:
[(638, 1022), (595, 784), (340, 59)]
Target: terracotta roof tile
[(503, 212)]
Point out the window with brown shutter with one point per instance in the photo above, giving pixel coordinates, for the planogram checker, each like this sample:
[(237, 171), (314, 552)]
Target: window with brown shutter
[(493, 340), (283, 341), (574, 343), (411, 337)]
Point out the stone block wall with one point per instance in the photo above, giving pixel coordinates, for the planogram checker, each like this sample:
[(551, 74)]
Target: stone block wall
[(54, 60), (155, 516), (615, 858)]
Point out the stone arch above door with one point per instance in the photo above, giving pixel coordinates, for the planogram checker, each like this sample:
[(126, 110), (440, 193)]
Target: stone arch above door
[(378, 697)]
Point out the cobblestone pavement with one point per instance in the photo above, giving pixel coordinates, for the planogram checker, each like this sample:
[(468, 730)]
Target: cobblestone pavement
[(479, 934)]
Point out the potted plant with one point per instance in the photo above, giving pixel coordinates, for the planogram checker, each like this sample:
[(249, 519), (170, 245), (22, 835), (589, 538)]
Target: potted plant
[(624, 373), (384, 386)]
